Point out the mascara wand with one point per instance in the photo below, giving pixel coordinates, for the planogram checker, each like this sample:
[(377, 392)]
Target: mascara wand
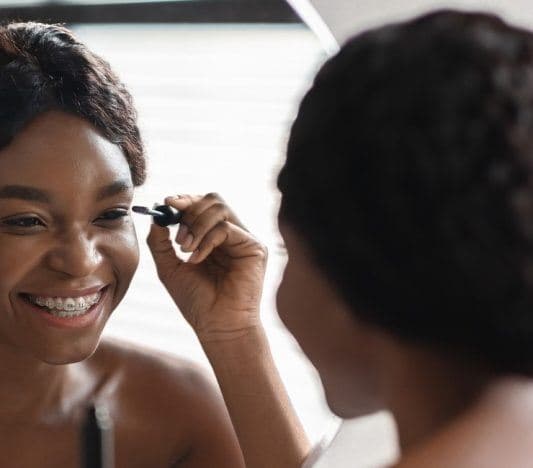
[(163, 215)]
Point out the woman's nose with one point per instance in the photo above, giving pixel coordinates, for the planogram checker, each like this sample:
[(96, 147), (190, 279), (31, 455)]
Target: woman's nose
[(76, 255)]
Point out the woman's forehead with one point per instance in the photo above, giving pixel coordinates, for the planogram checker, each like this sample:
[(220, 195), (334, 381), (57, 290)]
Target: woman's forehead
[(58, 148)]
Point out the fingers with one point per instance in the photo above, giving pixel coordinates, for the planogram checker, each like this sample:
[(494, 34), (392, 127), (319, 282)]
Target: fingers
[(160, 245), (205, 222), (214, 238), (194, 205), (235, 242)]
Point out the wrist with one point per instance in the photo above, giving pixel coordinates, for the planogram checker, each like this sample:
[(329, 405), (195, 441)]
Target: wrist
[(237, 344), (229, 331)]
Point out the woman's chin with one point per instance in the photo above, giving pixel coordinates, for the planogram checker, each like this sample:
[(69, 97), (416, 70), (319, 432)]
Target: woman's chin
[(347, 407), (61, 360), (68, 356)]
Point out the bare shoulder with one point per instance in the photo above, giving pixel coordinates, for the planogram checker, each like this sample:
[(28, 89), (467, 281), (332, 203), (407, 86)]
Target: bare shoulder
[(135, 358), (158, 379), (165, 401), (495, 432)]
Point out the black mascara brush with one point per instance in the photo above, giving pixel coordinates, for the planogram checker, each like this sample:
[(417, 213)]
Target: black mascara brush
[(163, 215)]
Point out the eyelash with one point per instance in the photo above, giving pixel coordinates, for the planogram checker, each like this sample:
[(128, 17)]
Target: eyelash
[(116, 215), (32, 222), (20, 222)]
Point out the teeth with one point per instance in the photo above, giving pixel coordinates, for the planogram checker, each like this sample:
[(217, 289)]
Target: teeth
[(64, 313), (67, 306)]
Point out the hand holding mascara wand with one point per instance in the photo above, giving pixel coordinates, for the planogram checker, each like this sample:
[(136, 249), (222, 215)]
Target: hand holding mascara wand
[(217, 289)]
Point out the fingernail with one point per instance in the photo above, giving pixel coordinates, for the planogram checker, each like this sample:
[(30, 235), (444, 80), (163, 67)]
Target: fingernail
[(188, 241), (194, 256), (183, 230)]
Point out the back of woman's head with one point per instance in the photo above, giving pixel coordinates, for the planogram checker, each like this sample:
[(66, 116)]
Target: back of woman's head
[(44, 67), (409, 174)]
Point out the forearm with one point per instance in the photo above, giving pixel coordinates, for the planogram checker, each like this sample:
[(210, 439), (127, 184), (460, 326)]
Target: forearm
[(269, 431)]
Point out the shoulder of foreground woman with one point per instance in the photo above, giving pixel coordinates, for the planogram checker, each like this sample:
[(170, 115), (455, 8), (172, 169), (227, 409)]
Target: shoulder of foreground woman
[(176, 395), (496, 431)]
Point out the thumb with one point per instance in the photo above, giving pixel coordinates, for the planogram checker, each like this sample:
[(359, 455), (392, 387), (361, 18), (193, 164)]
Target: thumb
[(163, 253)]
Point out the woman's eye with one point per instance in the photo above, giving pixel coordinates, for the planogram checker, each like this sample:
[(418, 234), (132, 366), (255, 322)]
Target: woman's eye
[(23, 222), (113, 215)]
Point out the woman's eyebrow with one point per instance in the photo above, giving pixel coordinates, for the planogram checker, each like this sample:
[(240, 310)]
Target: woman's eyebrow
[(24, 192), (115, 188)]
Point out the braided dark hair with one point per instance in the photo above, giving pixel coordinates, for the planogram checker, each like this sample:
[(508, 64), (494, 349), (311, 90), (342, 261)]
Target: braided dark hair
[(409, 173), (44, 67)]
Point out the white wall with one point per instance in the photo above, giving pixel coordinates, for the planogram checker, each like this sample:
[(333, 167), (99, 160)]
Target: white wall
[(347, 17)]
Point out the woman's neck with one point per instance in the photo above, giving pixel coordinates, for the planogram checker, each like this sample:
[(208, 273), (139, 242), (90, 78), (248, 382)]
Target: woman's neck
[(427, 391), (34, 391)]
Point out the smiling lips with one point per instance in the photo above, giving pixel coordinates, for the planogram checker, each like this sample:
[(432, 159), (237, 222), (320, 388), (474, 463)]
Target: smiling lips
[(66, 307)]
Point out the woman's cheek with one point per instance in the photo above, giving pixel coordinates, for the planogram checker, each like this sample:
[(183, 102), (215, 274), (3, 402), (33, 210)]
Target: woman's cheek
[(124, 254), (13, 265)]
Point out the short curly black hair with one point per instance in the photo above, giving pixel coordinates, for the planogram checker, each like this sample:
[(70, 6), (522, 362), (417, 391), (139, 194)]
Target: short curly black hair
[(44, 67), (409, 174)]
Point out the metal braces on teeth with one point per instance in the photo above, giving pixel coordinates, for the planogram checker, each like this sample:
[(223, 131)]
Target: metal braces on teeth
[(60, 305)]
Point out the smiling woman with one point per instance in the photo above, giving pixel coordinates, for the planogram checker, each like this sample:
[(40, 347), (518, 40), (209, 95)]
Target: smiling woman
[(88, 185), (70, 157)]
